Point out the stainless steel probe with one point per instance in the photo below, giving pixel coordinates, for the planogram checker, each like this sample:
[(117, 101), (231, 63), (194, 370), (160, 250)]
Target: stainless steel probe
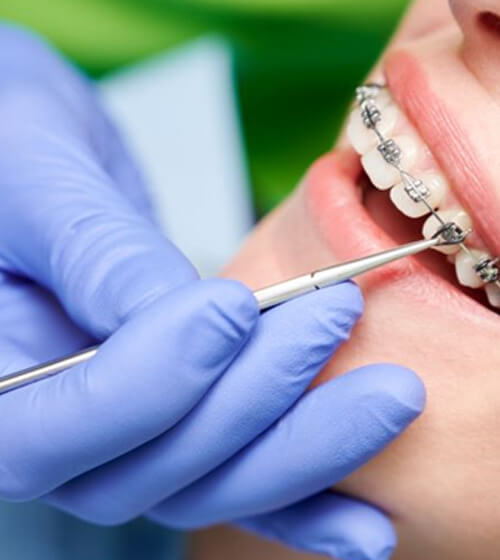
[(266, 298)]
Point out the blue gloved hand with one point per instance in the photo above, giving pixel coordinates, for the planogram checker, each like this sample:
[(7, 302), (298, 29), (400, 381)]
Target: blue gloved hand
[(192, 409)]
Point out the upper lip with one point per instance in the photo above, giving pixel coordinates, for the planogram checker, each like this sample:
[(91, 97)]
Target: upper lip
[(446, 134)]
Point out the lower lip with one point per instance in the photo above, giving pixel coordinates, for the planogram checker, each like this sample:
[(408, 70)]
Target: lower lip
[(334, 200)]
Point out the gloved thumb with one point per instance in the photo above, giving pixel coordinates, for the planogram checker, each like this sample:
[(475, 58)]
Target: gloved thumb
[(327, 435)]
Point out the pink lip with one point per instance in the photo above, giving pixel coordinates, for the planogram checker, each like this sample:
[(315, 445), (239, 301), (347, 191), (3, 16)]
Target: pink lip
[(343, 221), (333, 200), (441, 131)]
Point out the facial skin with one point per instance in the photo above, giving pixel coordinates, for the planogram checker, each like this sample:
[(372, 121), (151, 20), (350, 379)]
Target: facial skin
[(441, 480)]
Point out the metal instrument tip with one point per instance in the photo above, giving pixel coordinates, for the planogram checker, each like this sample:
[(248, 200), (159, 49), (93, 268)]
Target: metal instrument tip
[(451, 234)]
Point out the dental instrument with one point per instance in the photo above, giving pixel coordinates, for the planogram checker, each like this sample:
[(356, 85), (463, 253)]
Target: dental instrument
[(448, 234)]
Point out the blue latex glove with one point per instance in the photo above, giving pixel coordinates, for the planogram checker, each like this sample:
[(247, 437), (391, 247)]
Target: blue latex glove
[(192, 410)]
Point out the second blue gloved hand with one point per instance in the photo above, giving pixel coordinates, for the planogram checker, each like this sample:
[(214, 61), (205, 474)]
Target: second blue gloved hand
[(192, 408)]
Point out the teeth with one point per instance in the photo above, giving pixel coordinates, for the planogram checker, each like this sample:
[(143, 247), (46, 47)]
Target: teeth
[(431, 225), (404, 151), (384, 98), (362, 138), (464, 267), (438, 188), (382, 174), (493, 294)]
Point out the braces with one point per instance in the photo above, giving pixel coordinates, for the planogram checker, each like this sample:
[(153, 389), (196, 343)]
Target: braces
[(488, 269)]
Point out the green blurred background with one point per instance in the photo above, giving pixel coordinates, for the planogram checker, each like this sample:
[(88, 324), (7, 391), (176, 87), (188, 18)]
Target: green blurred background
[(296, 61)]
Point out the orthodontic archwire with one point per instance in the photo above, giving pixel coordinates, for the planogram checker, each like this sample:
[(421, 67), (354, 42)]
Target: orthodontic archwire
[(366, 97)]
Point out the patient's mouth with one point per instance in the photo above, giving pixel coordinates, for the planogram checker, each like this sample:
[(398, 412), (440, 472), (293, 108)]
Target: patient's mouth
[(396, 159)]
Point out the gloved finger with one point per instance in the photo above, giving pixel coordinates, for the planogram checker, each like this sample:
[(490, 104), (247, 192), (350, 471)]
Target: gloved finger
[(26, 55), (329, 524), (80, 238), (287, 350), (330, 432), (63, 221), (143, 380), (121, 167), (32, 319)]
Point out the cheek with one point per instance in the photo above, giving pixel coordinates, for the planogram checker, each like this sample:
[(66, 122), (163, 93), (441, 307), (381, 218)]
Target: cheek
[(443, 473), (441, 479)]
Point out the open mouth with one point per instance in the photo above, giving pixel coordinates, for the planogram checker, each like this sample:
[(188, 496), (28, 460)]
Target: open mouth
[(419, 199)]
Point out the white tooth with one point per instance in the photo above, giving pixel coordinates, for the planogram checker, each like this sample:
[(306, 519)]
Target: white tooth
[(382, 174), (384, 98), (364, 139), (458, 216), (438, 187), (493, 294), (464, 267)]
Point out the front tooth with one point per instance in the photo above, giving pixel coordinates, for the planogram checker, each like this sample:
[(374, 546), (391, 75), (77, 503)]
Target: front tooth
[(464, 267), (432, 224), (493, 294), (384, 175), (384, 98), (363, 139), (438, 187)]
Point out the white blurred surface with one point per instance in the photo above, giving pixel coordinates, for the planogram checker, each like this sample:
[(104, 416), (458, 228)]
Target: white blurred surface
[(179, 118)]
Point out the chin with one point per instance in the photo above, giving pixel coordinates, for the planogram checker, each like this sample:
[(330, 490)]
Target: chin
[(440, 481)]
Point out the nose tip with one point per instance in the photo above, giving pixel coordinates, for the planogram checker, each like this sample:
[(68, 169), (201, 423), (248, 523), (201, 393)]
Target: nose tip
[(480, 24)]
